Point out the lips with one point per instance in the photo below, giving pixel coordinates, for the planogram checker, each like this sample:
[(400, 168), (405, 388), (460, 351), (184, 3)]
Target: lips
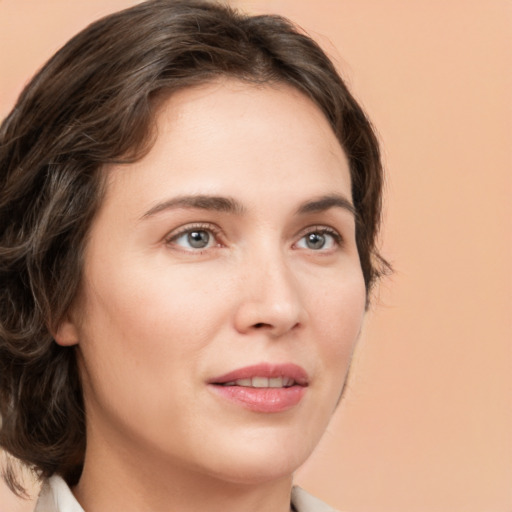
[(263, 388)]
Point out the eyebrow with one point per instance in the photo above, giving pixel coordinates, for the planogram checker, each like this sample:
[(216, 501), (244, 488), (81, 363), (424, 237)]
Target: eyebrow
[(324, 203), (231, 205), (200, 202)]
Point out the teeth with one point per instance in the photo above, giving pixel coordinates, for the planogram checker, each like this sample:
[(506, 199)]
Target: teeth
[(276, 382), (260, 382), (263, 382)]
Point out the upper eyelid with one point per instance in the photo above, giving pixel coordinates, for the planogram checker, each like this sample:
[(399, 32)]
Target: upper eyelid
[(319, 228), (187, 228)]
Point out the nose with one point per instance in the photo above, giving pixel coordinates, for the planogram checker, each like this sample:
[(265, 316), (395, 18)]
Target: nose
[(271, 299)]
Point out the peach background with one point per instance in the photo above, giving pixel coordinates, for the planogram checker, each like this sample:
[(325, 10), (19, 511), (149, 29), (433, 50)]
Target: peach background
[(427, 423)]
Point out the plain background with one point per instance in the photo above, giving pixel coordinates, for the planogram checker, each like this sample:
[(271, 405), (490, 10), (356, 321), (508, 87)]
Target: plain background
[(426, 425)]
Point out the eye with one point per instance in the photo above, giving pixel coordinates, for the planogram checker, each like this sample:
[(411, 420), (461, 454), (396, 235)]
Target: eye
[(319, 239), (194, 238)]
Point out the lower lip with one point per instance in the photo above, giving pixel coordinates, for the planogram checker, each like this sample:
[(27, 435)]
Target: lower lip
[(262, 399)]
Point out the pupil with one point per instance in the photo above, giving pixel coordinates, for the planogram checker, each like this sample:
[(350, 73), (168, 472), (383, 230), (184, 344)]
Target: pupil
[(198, 239), (316, 241)]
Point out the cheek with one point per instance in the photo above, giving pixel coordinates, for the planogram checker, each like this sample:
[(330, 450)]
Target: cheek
[(147, 320), (137, 344), (147, 296), (338, 315), (342, 303)]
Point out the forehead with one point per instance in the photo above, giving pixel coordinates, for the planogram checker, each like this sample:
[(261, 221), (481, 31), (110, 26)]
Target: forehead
[(229, 107), (226, 136)]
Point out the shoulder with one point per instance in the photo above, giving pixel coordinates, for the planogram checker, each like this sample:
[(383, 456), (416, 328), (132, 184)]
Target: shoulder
[(302, 501), (56, 496)]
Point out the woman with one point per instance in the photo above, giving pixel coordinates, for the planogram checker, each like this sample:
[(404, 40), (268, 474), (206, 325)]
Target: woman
[(190, 199)]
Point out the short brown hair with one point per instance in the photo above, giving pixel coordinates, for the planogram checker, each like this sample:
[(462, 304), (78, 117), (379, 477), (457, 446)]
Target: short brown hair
[(93, 104)]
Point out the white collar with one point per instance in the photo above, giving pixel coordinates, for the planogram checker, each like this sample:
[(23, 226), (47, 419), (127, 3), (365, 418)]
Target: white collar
[(56, 496)]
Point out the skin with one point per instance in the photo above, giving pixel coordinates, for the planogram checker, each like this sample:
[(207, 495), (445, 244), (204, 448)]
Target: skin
[(157, 318)]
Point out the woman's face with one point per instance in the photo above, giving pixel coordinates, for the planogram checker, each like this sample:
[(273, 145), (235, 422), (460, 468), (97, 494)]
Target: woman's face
[(222, 294)]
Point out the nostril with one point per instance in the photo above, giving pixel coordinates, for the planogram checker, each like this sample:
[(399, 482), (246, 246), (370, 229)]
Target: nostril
[(265, 325)]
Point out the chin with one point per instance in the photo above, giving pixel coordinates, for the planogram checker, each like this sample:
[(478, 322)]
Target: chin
[(259, 461), (255, 472)]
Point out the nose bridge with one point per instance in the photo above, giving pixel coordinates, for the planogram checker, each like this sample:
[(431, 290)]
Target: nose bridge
[(272, 298)]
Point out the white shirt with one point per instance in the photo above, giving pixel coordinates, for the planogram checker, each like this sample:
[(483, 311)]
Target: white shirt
[(56, 496)]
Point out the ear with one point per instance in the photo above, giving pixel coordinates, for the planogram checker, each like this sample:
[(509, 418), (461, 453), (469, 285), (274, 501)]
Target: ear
[(66, 333)]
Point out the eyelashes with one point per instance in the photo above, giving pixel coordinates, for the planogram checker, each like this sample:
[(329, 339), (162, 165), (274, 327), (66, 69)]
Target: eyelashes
[(201, 237)]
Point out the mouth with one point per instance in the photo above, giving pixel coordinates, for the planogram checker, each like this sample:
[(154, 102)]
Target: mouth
[(262, 382), (264, 375), (263, 388)]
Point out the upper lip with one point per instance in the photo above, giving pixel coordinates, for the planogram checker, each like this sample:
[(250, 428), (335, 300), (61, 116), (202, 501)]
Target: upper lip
[(289, 370)]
